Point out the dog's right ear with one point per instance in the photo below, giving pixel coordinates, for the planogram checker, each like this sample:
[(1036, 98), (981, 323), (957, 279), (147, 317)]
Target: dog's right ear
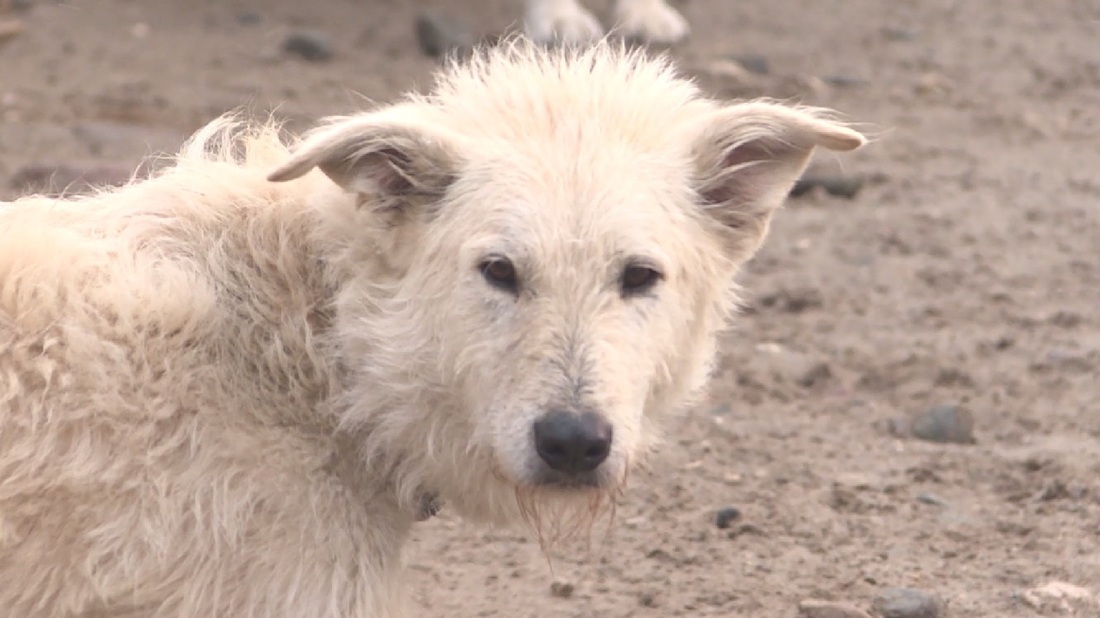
[(749, 157), (388, 160)]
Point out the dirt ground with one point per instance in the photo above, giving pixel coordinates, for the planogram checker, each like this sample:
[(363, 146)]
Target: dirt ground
[(966, 272)]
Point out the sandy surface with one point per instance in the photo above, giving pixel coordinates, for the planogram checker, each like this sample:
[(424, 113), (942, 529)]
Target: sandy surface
[(967, 272)]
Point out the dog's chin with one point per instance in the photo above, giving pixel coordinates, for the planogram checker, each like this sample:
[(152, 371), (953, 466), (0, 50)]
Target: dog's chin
[(560, 507), (559, 511)]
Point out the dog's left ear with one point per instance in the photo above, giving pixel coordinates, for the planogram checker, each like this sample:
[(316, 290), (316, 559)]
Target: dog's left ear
[(389, 158), (750, 156)]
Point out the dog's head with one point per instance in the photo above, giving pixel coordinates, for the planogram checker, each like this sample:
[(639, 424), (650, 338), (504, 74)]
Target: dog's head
[(554, 236)]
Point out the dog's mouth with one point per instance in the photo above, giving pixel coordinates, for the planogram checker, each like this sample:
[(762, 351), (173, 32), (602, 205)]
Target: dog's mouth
[(554, 480), (550, 482), (543, 479)]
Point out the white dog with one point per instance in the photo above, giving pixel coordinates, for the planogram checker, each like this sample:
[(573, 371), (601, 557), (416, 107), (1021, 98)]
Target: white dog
[(223, 396)]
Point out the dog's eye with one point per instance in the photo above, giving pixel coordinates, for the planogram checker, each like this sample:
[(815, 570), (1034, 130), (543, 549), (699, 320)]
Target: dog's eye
[(500, 273), (638, 279)]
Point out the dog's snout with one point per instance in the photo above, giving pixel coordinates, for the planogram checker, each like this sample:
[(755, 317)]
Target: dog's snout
[(573, 443)]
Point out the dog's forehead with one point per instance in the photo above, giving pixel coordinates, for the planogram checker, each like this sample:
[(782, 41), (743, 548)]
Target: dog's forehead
[(600, 193), (575, 160)]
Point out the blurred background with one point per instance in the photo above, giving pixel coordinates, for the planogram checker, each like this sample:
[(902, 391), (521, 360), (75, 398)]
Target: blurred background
[(907, 416)]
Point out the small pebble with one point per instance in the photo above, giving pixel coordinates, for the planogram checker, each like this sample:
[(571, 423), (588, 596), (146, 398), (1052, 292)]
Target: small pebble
[(1060, 597), (793, 300), (725, 517), (816, 373), (931, 499), (945, 424), (817, 608), (561, 589), (249, 18), (844, 81), (438, 35), (907, 603), (753, 63), (900, 34), (721, 409), (838, 186), (311, 46)]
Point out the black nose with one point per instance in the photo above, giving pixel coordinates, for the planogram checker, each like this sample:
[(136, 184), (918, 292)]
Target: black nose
[(572, 443)]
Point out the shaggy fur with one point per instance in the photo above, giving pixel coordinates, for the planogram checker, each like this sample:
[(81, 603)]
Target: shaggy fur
[(228, 390)]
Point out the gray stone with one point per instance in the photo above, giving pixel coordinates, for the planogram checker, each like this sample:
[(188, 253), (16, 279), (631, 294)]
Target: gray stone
[(311, 46), (817, 608), (725, 517), (945, 424), (562, 589), (249, 18), (753, 63), (907, 603), (816, 373), (837, 186), (439, 36), (932, 499), (844, 81), (896, 33)]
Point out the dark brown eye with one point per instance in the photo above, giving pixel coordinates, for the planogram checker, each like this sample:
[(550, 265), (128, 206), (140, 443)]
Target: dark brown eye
[(639, 279), (500, 273)]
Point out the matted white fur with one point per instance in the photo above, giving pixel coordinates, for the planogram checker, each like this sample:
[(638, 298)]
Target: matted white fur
[(226, 396)]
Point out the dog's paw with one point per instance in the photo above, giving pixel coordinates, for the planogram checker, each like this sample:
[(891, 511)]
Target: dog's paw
[(561, 22), (650, 21)]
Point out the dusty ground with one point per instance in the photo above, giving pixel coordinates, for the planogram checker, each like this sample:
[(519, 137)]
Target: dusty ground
[(967, 273)]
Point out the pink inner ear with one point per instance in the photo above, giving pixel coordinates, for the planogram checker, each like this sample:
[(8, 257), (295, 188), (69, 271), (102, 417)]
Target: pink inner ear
[(388, 169), (385, 170), (748, 152), (732, 185)]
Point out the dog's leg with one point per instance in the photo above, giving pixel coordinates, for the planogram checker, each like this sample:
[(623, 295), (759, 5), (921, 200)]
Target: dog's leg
[(555, 22), (650, 21)]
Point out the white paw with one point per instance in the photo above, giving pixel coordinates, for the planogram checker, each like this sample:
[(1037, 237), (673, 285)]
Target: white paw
[(650, 21), (561, 22)]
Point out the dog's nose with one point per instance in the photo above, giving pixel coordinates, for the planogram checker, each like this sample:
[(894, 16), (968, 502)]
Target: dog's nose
[(572, 443)]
